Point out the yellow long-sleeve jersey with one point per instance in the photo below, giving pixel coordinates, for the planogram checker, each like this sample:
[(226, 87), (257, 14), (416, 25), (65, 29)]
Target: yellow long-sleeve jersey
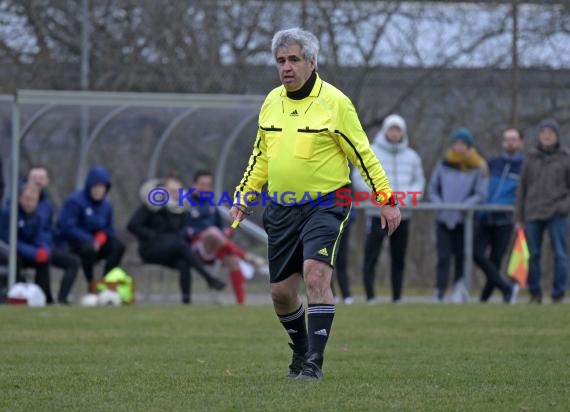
[(302, 147)]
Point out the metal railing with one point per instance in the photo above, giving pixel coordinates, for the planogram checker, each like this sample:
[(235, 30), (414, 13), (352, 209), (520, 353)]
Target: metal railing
[(259, 234)]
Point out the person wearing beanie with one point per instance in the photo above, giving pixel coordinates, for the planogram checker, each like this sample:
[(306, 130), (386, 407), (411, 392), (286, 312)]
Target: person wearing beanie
[(404, 169), (550, 124), (463, 134), (460, 177), (543, 203), (493, 230), (85, 225)]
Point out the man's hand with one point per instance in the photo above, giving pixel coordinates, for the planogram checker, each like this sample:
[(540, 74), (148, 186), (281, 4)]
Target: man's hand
[(237, 213), (390, 218), (99, 239), (42, 255)]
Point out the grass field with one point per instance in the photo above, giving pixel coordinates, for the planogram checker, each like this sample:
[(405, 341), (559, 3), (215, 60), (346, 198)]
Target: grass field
[(385, 357)]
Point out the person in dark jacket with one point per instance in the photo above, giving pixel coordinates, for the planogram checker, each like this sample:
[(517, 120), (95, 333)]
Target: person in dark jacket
[(85, 224), (493, 230), (460, 177), (543, 202), (34, 241), (161, 232)]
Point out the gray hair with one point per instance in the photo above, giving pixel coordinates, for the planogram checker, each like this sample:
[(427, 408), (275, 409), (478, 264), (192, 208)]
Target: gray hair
[(305, 39)]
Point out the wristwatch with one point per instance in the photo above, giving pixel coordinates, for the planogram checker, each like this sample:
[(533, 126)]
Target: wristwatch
[(392, 201)]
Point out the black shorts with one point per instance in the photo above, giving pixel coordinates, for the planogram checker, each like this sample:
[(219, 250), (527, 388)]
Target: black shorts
[(300, 232)]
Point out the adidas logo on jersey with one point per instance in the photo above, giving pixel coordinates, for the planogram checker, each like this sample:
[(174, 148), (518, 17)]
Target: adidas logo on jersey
[(321, 332), (323, 252), (294, 113)]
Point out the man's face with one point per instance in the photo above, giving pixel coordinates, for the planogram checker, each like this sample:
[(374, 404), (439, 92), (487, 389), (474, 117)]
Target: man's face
[(39, 177), (459, 146), (98, 192), (512, 141), (394, 134), (204, 183), (294, 70), (29, 201), (547, 137)]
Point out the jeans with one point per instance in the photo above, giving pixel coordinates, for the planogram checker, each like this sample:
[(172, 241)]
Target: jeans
[(557, 227)]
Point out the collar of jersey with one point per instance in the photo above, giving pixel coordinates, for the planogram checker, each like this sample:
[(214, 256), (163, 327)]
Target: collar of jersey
[(314, 92)]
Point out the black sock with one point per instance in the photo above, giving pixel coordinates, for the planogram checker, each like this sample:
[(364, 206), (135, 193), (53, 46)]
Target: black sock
[(321, 316), (294, 324)]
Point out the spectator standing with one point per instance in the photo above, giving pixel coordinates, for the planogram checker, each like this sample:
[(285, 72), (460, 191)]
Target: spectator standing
[(404, 169), (493, 230), (460, 178), (543, 202)]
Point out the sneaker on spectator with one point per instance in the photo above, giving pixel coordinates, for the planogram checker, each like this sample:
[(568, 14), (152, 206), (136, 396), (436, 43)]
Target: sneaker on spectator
[(535, 299), (465, 296), (373, 301), (459, 294), (348, 300), (456, 294), (437, 296), (512, 298)]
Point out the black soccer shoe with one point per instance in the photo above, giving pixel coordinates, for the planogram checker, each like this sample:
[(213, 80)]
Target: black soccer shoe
[(312, 368), (296, 363), (216, 284)]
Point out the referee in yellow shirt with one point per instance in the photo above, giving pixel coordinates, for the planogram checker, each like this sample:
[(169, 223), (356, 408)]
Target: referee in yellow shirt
[(308, 131)]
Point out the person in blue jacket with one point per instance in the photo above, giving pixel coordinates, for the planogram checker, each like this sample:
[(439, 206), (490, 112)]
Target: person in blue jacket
[(493, 230), (85, 223), (61, 258), (34, 238)]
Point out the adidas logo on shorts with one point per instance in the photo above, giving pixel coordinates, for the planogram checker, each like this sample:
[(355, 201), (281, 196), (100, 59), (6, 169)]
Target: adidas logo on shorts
[(323, 252)]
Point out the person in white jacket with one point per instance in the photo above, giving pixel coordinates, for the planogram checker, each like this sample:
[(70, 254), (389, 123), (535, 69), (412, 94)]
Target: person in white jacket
[(405, 172)]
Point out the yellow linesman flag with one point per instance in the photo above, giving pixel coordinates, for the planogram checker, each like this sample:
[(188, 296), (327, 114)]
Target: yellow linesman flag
[(518, 263)]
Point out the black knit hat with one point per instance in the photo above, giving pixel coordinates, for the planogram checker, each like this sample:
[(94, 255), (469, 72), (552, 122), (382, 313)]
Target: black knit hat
[(551, 124)]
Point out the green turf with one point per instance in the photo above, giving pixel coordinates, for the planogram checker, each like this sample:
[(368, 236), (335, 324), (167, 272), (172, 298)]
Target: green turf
[(384, 357)]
